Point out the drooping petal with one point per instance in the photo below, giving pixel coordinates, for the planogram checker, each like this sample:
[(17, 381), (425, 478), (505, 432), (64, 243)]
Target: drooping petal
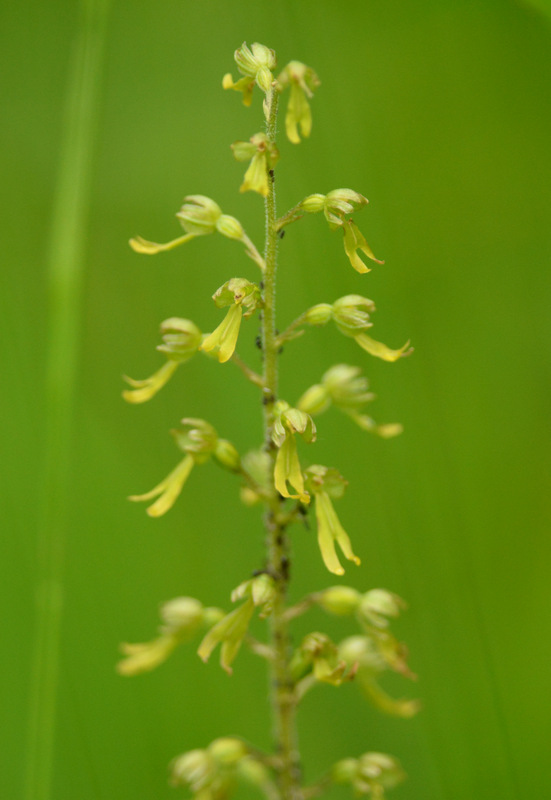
[(140, 245), (168, 490), (244, 85), (148, 388), (298, 113), (287, 468), (256, 176), (330, 531), (229, 632), (395, 707), (225, 335), (380, 350), (145, 657), (355, 240)]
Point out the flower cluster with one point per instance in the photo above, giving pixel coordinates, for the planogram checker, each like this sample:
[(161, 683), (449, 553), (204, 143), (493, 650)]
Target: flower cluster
[(273, 474)]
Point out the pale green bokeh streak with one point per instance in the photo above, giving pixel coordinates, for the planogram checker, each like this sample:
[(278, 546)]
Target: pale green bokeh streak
[(64, 265)]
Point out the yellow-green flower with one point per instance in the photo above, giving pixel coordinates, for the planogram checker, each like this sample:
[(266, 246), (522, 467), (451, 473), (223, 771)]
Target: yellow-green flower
[(182, 618), (372, 656), (346, 388), (229, 633), (336, 206), (200, 216), (264, 155), (255, 64), (243, 298), (351, 314), (289, 421), (370, 774), (324, 483), (199, 440), (319, 655), (352, 320), (302, 81), (181, 340)]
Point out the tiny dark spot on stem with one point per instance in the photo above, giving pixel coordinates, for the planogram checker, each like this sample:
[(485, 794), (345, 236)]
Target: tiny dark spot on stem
[(258, 342), (281, 234), (267, 399), (261, 284), (272, 176)]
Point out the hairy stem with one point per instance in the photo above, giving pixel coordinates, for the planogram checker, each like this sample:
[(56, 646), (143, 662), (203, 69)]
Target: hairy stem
[(282, 690)]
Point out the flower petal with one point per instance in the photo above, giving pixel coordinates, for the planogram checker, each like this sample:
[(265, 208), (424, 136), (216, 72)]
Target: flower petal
[(380, 350), (287, 468), (148, 388), (140, 245), (168, 490), (225, 335), (330, 531), (354, 240)]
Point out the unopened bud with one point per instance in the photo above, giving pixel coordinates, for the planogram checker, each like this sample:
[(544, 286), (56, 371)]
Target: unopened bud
[(319, 315), (313, 203), (182, 613), (230, 227), (315, 400), (227, 456), (340, 600), (227, 751)]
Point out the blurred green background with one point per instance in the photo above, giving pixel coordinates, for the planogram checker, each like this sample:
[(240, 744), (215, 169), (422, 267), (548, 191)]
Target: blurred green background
[(439, 112)]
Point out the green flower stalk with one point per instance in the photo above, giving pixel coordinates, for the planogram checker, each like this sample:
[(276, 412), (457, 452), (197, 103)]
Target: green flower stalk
[(277, 476)]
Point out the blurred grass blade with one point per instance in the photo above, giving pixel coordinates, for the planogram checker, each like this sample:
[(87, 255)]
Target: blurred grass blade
[(65, 260)]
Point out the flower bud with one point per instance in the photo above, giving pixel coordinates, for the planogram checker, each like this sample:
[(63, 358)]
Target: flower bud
[(315, 400), (264, 79), (227, 751), (313, 203), (253, 772), (319, 315), (344, 771), (230, 227), (227, 456), (211, 616), (199, 215), (183, 614), (339, 600)]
